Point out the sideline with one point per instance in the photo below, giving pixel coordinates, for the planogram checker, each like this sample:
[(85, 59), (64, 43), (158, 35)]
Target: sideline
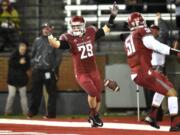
[(107, 125)]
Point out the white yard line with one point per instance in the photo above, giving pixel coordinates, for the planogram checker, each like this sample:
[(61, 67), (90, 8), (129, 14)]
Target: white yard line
[(106, 125), (9, 132)]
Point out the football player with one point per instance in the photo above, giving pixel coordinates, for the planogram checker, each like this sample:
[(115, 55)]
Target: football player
[(80, 40), (139, 46)]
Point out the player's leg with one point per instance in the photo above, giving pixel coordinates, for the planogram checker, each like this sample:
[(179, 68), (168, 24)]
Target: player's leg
[(86, 82), (94, 117), (173, 109), (159, 83), (98, 82), (152, 117), (171, 93), (98, 105), (92, 104), (157, 101)]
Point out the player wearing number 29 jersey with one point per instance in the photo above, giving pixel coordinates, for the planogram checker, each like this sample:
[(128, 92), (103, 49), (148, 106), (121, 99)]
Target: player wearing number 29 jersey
[(84, 61), (80, 40), (139, 46), (82, 50)]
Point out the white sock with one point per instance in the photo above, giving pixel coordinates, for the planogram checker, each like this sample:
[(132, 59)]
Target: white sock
[(173, 105), (157, 99)]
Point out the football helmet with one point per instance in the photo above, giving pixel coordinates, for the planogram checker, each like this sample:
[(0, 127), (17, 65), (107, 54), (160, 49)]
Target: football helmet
[(135, 20), (77, 25)]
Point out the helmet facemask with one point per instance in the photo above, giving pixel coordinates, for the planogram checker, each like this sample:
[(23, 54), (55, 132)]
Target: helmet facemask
[(77, 26), (77, 30)]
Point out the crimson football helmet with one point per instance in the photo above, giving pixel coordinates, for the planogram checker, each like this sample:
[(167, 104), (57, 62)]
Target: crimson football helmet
[(135, 20), (77, 25)]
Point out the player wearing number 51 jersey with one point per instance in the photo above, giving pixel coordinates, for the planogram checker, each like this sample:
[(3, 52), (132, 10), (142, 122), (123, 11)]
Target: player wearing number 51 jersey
[(80, 40), (139, 46)]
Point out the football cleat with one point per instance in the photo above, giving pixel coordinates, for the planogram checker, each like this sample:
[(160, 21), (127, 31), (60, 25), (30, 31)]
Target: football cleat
[(152, 122), (95, 121), (111, 84), (178, 124), (175, 129)]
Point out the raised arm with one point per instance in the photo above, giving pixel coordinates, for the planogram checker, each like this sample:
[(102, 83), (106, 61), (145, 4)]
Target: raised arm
[(61, 44), (106, 28), (153, 44), (114, 12)]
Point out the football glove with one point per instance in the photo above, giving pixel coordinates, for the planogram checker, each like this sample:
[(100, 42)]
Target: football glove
[(114, 10)]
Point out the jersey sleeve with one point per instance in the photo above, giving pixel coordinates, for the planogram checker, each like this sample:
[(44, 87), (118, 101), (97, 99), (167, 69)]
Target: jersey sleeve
[(92, 28), (64, 42), (100, 33), (63, 37), (144, 31), (153, 44), (97, 32)]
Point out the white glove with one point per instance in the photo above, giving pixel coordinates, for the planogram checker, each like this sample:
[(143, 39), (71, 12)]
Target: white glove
[(114, 9)]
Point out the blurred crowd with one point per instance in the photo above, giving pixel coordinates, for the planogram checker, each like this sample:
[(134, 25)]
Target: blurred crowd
[(9, 26)]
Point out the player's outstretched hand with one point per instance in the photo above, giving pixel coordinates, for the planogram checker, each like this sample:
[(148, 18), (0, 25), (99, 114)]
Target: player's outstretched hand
[(114, 9), (53, 41), (111, 84)]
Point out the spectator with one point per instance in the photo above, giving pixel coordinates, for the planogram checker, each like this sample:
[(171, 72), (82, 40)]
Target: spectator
[(9, 26), (44, 62), (19, 63), (133, 5), (163, 27)]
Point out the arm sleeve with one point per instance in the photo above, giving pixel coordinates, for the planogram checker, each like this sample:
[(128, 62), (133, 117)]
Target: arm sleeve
[(64, 45), (111, 21), (100, 33), (150, 42), (63, 42)]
